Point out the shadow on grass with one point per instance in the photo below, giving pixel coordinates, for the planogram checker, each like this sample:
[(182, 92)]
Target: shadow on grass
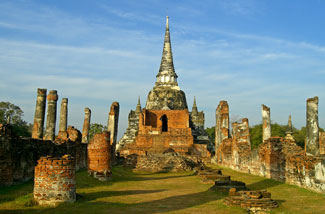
[(168, 204), (83, 197), (11, 193), (264, 184)]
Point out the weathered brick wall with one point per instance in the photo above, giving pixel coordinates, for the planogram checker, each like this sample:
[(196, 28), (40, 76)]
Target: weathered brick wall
[(99, 156), (241, 146), (222, 123), (322, 143), (54, 180), (278, 159), (18, 156), (151, 138)]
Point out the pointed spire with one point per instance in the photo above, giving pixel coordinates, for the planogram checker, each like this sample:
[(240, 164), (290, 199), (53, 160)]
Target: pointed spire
[(194, 108), (166, 75), (289, 125), (138, 109)]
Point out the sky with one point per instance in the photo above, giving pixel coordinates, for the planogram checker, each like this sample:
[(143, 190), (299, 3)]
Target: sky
[(247, 52)]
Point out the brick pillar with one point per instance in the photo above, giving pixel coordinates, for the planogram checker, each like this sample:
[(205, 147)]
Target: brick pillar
[(112, 125), (63, 115), (266, 126), (86, 126), (54, 180), (222, 123), (52, 98), (312, 128), (99, 156), (38, 126)]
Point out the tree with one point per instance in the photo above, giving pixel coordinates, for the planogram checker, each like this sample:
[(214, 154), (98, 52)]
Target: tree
[(96, 128), (12, 114), (211, 133)]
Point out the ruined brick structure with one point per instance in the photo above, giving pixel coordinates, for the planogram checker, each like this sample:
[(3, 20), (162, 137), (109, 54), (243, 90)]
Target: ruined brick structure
[(52, 98), (63, 124), (112, 124), (86, 126), (222, 123), (165, 124), (266, 122), (133, 127), (18, 156), (277, 158), (322, 143), (99, 156), (54, 180), (38, 126), (312, 128)]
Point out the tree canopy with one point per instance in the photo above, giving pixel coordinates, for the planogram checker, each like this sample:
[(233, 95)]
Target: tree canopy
[(96, 128), (12, 114)]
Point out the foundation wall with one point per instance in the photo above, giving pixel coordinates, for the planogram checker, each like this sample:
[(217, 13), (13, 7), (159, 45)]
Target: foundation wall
[(18, 156)]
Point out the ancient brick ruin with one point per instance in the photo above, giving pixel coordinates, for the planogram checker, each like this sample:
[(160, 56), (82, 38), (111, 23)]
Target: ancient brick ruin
[(18, 155), (86, 126), (52, 98), (99, 156), (253, 201), (38, 126), (278, 158), (54, 180), (112, 125), (165, 124)]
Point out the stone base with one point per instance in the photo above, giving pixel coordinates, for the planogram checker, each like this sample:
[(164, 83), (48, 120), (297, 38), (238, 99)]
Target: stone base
[(162, 162), (254, 201), (102, 176)]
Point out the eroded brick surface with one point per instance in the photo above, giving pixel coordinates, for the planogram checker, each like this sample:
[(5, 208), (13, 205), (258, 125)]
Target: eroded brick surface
[(52, 99), (112, 125), (18, 156), (54, 180), (86, 126), (222, 123), (99, 156), (39, 116)]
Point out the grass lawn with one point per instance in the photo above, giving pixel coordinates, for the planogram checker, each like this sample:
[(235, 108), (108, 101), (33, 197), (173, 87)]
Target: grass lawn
[(130, 192)]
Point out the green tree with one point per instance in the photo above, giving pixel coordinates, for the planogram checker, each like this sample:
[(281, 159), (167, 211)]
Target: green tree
[(96, 128), (211, 133), (12, 114)]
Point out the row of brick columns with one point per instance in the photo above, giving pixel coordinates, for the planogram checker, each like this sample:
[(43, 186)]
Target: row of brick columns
[(312, 145), (52, 98)]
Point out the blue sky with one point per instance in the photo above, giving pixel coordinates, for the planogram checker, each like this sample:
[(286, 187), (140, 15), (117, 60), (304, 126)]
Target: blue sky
[(248, 52)]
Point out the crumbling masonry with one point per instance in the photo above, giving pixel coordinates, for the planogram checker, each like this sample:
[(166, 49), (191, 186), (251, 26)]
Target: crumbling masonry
[(54, 180), (99, 156), (38, 126), (52, 98), (86, 126), (112, 125), (277, 158)]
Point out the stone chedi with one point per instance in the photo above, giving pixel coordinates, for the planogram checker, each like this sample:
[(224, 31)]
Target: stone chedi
[(165, 123)]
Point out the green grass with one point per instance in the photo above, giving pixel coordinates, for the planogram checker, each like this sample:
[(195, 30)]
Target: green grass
[(143, 192)]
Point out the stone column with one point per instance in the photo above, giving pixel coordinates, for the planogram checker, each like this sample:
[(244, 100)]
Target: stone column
[(86, 126), (312, 128), (52, 98), (63, 115), (222, 123), (112, 124), (39, 116), (266, 126)]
